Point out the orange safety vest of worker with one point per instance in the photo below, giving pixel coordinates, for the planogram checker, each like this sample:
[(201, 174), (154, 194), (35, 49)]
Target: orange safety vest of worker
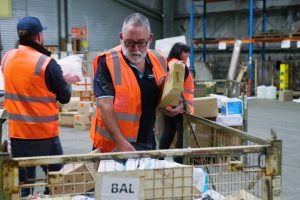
[(127, 100), (188, 89), (31, 108)]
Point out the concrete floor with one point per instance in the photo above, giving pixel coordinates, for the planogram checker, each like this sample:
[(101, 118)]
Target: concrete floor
[(283, 117)]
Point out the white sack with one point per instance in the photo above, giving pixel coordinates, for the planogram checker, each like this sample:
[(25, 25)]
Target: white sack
[(72, 65)]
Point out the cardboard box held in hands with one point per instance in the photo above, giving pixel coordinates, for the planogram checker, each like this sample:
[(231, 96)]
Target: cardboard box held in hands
[(173, 86)]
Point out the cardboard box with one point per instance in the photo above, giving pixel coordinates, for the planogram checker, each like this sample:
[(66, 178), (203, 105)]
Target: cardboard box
[(71, 106), (66, 119), (82, 127), (206, 107), (285, 95), (82, 119), (72, 178), (84, 95), (87, 96), (82, 122), (232, 106), (84, 85), (173, 86), (85, 107)]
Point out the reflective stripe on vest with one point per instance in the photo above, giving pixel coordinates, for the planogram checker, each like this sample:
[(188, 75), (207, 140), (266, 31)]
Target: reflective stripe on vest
[(36, 119), (128, 117), (160, 58), (105, 134), (28, 99), (39, 64), (188, 91), (117, 66), (120, 116)]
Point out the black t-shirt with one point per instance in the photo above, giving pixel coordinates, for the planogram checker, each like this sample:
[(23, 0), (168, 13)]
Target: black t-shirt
[(103, 88)]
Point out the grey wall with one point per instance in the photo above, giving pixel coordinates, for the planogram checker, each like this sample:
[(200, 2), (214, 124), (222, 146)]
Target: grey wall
[(102, 17), (46, 11)]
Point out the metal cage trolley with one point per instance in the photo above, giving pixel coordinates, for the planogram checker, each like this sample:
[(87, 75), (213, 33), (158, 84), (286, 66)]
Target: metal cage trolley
[(218, 162)]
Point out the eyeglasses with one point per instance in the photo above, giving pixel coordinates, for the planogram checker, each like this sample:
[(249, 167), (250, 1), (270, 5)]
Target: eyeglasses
[(132, 43)]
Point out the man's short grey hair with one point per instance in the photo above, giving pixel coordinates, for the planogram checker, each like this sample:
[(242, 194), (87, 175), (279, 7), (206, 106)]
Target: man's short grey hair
[(136, 19)]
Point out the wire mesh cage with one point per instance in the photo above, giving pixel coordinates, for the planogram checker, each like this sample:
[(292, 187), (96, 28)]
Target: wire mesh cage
[(230, 164)]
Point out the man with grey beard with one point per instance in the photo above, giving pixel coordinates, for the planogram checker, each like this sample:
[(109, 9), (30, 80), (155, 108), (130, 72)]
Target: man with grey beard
[(126, 85)]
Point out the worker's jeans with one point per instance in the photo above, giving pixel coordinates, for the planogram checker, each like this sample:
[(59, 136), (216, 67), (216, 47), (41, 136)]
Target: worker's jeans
[(171, 126), (27, 148)]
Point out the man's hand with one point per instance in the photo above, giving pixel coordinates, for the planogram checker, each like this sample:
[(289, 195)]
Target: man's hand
[(123, 145), (71, 78), (171, 112)]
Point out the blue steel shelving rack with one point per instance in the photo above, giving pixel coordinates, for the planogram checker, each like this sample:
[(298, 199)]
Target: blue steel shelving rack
[(250, 44)]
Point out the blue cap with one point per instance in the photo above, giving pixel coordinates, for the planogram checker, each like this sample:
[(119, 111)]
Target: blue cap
[(31, 24)]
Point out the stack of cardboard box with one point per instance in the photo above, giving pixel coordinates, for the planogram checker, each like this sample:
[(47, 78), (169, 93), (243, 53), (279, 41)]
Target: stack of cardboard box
[(76, 178), (231, 111), (77, 113), (83, 89), (82, 120), (67, 112)]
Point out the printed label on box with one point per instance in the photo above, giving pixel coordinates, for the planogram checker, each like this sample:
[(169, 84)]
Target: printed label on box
[(120, 188)]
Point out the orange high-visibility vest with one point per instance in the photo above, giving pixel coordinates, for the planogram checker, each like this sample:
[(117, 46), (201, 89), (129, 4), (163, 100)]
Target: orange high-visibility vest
[(188, 89), (127, 100), (31, 108)]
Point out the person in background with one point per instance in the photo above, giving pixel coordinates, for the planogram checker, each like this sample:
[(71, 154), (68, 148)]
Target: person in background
[(126, 85), (173, 117), (33, 83)]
